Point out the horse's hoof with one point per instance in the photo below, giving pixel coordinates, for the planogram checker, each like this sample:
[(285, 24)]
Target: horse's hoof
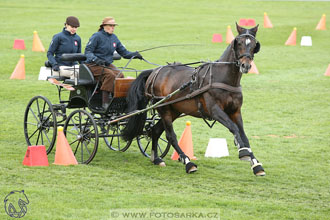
[(245, 158), (192, 170), (191, 167), (158, 161), (258, 170), (261, 173)]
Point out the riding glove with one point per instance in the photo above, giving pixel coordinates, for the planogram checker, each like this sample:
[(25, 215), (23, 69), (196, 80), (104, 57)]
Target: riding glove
[(56, 68), (99, 62), (137, 55)]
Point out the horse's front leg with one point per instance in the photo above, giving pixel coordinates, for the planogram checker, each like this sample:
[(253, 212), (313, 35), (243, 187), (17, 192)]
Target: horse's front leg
[(218, 114), (245, 152), (167, 119)]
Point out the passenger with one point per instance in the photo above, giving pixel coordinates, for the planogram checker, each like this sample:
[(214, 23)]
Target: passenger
[(66, 41), (99, 52)]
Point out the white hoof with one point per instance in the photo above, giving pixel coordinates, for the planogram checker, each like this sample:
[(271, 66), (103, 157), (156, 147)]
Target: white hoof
[(261, 173), (162, 164)]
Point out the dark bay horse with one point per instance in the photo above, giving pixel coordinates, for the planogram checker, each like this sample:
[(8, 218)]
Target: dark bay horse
[(214, 93)]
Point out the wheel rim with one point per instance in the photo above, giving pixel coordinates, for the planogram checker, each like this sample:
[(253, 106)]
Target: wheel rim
[(82, 135), (40, 123), (114, 140)]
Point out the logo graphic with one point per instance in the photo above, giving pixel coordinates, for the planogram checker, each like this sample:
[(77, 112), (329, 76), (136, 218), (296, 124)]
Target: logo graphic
[(15, 204), (114, 44), (75, 43)]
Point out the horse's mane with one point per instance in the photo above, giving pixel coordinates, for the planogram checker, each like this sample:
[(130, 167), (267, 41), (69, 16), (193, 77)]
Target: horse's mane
[(224, 53)]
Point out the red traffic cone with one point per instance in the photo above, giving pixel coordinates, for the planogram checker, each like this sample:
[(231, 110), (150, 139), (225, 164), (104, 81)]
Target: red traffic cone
[(36, 156), (229, 36), (185, 144), (292, 38), (217, 38), (327, 72), (254, 68), (321, 24), (19, 44), (267, 22), (37, 45), (19, 71), (63, 154)]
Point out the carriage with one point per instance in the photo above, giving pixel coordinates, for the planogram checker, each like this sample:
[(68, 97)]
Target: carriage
[(82, 117)]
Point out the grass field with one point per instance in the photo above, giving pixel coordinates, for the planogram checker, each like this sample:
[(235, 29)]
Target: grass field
[(286, 113)]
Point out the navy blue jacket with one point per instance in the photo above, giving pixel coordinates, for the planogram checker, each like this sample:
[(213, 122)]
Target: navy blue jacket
[(102, 45), (63, 42)]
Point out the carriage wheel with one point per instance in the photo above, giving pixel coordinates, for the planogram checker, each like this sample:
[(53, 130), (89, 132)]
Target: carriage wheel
[(40, 123), (114, 140), (144, 141), (81, 132)]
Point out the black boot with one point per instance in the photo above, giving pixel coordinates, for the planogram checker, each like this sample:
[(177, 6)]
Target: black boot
[(105, 99)]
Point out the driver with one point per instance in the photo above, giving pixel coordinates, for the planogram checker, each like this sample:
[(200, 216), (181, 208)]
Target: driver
[(66, 41), (99, 52)]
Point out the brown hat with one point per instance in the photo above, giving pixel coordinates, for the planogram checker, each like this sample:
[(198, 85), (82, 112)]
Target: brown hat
[(72, 21), (108, 20)]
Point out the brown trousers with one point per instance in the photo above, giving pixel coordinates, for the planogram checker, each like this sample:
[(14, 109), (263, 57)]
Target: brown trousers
[(105, 75)]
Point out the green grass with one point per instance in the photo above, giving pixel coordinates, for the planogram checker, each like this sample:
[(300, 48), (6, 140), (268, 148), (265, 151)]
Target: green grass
[(286, 113)]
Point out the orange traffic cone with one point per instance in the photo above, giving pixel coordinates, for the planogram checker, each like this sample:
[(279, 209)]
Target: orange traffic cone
[(185, 144), (37, 45), (327, 72), (19, 44), (63, 154), (19, 71), (321, 24), (254, 68), (267, 22), (229, 36), (36, 156), (292, 38)]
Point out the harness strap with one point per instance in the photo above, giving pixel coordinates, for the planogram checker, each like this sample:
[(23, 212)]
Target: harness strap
[(200, 91)]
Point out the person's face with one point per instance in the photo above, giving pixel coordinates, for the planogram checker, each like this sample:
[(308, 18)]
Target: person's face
[(109, 28), (71, 29)]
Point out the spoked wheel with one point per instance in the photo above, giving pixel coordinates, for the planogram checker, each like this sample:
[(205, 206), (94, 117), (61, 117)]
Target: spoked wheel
[(113, 139), (144, 141), (81, 132), (40, 123)]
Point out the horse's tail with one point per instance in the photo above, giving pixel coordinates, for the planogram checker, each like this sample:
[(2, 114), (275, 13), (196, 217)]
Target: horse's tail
[(136, 100)]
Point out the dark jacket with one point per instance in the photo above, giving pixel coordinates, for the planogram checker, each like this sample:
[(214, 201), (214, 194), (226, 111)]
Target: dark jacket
[(102, 45), (63, 42)]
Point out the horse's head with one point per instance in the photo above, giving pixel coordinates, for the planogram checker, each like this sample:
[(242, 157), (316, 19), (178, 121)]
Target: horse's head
[(245, 46)]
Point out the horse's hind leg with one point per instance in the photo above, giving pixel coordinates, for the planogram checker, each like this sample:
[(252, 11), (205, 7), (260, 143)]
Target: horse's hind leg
[(156, 132), (167, 119)]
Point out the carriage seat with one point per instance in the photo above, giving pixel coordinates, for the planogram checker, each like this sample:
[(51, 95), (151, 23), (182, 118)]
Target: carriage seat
[(70, 57)]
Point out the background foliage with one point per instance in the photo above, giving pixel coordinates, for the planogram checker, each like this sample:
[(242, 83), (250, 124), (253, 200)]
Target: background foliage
[(286, 113)]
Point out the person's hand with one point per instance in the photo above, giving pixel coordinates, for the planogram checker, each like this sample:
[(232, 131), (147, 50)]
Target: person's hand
[(56, 68), (99, 62), (137, 55)]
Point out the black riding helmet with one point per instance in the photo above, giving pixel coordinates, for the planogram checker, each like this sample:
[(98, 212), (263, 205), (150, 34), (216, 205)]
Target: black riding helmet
[(72, 21)]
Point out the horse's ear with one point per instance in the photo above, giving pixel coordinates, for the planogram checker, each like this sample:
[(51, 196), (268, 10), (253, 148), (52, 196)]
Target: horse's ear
[(240, 29), (254, 30), (257, 48)]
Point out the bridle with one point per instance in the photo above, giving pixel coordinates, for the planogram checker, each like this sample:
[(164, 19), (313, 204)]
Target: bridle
[(248, 54)]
